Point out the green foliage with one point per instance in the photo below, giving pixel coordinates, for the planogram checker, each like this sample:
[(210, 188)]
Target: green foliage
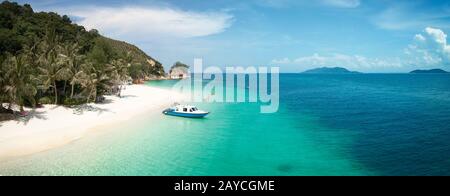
[(179, 64), (9, 42), (20, 26), (73, 101), (3, 96), (19, 81), (139, 61), (45, 57), (46, 100), (136, 71), (102, 53)]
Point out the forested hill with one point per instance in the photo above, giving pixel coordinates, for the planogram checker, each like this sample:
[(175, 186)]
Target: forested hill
[(150, 66), (46, 58), (20, 26)]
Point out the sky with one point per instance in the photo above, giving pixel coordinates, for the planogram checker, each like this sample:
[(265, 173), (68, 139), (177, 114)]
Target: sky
[(362, 35)]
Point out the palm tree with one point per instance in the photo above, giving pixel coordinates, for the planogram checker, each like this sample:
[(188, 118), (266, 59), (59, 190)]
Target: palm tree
[(91, 83), (19, 80), (64, 70), (52, 66), (32, 52), (73, 62), (121, 72), (2, 85), (47, 72), (104, 79)]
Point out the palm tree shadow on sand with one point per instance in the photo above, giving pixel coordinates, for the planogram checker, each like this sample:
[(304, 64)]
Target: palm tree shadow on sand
[(127, 96), (79, 110), (31, 115)]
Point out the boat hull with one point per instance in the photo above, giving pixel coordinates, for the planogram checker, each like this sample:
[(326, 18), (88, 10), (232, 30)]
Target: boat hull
[(186, 115)]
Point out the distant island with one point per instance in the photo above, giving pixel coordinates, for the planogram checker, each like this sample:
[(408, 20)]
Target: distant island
[(179, 70), (428, 71), (330, 70)]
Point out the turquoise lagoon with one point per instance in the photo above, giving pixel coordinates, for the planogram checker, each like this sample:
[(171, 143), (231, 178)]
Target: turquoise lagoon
[(357, 124)]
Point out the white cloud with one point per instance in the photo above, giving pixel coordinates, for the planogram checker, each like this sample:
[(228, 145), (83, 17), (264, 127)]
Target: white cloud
[(281, 61), (343, 3), (429, 48), (438, 36), (349, 61), (419, 37), (354, 62), (144, 22)]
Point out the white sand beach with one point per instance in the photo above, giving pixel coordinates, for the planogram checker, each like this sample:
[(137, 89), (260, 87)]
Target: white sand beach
[(54, 126)]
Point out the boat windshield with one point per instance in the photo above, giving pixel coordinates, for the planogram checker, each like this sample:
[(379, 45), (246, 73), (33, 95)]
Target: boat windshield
[(193, 109)]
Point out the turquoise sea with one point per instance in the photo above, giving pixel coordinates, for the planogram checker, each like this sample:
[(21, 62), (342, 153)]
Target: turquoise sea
[(356, 124)]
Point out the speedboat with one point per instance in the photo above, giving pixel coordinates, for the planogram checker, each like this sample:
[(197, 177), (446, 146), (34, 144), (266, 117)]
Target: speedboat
[(187, 111)]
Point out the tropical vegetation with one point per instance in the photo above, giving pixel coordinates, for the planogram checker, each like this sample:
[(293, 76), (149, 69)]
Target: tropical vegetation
[(47, 59), (179, 70)]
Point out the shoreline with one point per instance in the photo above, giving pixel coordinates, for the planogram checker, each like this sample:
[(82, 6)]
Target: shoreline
[(55, 126)]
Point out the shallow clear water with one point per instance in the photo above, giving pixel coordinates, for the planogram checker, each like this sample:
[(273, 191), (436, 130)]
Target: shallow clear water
[(369, 124)]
